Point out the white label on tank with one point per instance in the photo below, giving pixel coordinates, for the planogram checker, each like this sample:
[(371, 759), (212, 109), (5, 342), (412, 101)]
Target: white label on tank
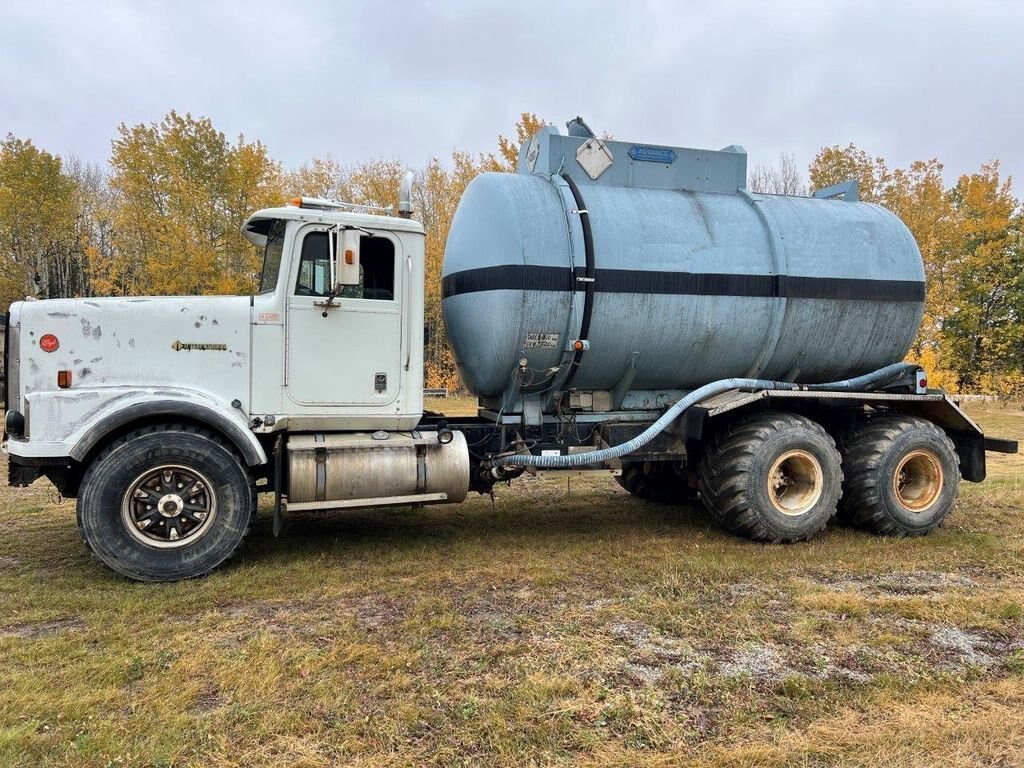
[(538, 339), (594, 157), (550, 452)]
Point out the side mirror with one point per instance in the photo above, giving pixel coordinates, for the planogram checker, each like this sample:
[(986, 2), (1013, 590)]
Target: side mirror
[(345, 260)]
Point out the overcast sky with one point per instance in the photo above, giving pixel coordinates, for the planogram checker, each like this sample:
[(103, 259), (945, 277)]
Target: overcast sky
[(907, 80)]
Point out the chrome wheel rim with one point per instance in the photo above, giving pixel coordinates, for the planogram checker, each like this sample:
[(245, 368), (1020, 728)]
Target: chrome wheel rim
[(169, 506), (795, 482), (918, 481)]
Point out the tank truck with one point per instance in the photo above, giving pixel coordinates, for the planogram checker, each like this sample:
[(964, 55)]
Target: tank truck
[(616, 306)]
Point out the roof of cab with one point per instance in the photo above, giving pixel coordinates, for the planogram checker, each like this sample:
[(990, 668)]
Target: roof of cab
[(251, 228)]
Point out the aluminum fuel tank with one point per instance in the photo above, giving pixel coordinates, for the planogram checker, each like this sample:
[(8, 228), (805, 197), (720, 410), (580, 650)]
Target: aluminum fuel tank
[(684, 277)]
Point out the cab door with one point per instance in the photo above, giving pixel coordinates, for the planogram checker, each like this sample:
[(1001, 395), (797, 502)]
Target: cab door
[(348, 353)]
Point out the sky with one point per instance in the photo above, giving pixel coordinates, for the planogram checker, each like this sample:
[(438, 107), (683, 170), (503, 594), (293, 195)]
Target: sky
[(902, 79)]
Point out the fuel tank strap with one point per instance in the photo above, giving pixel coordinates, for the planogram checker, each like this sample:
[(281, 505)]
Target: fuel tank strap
[(588, 279)]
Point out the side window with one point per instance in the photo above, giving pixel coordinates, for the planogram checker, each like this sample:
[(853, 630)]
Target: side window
[(376, 269), (314, 266), (272, 252)]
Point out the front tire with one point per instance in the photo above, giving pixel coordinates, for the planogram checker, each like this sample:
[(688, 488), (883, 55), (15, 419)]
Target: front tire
[(772, 476), (902, 476), (166, 503)]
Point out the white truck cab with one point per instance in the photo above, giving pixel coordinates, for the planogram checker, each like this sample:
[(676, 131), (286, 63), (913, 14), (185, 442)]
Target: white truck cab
[(350, 361), (328, 351)]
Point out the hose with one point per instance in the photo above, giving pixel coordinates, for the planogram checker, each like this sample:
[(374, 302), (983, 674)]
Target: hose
[(879, 378)]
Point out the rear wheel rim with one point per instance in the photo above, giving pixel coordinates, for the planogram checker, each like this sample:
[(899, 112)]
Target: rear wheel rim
[(918, 481), (169, 506), (795, 482)]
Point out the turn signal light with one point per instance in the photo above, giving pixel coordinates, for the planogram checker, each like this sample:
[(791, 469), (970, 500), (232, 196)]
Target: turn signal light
[(578, 345), (48, 342), (63, 379), (350, 257)]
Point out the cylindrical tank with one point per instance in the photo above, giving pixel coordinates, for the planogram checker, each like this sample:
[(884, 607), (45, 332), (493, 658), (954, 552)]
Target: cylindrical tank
[(688, 287), (326, 467)]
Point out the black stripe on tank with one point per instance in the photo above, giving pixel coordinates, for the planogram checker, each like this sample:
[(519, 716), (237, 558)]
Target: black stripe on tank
[(519, 277)]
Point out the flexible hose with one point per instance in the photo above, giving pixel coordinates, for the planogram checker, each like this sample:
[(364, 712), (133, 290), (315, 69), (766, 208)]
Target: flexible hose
[(879, 378)]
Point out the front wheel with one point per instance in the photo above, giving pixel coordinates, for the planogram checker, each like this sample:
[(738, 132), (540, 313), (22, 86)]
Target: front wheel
[(166, 503)]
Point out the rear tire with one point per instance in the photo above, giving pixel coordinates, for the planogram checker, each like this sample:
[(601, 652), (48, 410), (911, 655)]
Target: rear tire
[(902, 476), (656, 481), (166, 503), (771, 476)]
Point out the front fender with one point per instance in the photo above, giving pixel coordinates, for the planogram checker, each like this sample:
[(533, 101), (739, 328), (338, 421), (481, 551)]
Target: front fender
[(73, 423)]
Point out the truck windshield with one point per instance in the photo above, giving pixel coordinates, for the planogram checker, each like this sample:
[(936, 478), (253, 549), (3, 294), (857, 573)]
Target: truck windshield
[(272, 256)]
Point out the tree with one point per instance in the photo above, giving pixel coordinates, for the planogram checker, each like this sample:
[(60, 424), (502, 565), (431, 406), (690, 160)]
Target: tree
[(834, 165), (182, 191), (37, 222), (321, 177), (784, 179), (507, 158), (984, 331)]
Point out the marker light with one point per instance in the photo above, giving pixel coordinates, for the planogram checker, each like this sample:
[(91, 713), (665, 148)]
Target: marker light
[(578, 345), (350, 257), (48, 342), (63, 379)]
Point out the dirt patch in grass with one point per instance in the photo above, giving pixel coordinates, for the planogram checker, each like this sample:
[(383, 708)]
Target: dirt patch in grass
[(897, 582), (40, 629), (316, 620)]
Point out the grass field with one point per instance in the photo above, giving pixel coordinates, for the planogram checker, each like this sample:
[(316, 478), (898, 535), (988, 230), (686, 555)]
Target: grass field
[(564, 623)]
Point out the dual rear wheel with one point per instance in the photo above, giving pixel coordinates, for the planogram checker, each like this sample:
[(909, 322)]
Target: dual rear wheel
[(780, 477), (903, 475)]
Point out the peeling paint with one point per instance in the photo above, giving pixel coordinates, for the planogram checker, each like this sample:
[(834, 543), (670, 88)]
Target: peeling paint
[(85, 373), (93, 303), (131, 342), (96, 360), (59, 315)]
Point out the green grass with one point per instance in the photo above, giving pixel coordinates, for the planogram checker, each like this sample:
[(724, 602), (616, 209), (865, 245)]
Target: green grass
[(564, 623)]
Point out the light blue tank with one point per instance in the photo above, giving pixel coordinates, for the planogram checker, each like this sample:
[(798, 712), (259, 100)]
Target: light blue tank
[(691, 277)]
